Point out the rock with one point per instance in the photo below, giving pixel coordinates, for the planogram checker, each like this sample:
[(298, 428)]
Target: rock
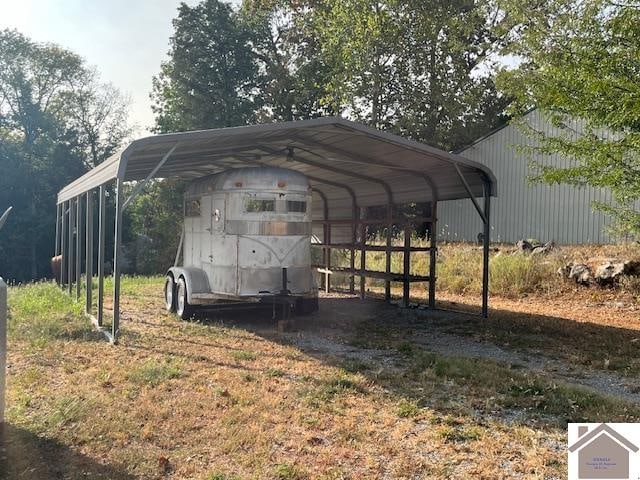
[(609, 272), (564, 271), (580, 273), (543, 249), (524, 246), (632, 267)]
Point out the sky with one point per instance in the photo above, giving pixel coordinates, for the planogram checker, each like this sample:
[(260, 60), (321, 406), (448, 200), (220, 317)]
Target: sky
[(125, 39)]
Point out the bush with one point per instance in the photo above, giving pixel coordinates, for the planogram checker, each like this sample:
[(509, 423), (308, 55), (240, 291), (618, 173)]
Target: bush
[(514, 275), (459, 270)]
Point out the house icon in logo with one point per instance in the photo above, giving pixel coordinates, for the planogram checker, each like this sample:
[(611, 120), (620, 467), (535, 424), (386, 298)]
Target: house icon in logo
[(602, 453)]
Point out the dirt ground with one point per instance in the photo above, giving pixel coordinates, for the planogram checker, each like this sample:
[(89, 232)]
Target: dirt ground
[(360, 389)]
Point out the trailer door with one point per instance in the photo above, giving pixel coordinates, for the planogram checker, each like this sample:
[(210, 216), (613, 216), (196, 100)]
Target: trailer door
[(218, 254), (205, 232)]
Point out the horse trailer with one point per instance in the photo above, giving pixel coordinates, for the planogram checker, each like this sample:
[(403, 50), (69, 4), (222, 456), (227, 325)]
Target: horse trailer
[(246, 238)]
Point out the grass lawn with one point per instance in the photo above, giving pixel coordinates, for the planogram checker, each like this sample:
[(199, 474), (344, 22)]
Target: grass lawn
[(231, 399)]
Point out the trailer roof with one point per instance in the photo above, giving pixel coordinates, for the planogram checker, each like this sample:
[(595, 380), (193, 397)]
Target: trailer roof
[(341, 159)]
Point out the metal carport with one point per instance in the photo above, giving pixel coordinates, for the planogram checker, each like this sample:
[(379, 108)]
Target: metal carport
[(350, 167)]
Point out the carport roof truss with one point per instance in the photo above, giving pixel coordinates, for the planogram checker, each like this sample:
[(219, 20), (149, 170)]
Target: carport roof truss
[(327, 149), (349, 166)]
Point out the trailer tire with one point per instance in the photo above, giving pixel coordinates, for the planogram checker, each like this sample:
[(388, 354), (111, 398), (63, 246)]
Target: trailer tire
[(170, 294), (183, 309)]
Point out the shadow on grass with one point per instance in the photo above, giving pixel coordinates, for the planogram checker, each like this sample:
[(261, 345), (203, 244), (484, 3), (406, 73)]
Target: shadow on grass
[(24, 455), (586, 343), (429, 379)]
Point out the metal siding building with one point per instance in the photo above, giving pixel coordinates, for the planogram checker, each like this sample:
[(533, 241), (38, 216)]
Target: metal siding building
[(560, 213)]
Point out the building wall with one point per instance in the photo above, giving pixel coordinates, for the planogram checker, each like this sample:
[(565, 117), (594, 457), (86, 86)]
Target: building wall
[(560, 213)]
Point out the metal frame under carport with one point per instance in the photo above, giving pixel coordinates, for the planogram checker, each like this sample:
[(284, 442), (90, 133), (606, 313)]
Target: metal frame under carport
[(72, 226)]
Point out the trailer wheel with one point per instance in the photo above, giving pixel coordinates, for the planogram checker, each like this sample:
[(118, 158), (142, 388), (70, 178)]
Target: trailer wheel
[(183, 309), (170, 294)]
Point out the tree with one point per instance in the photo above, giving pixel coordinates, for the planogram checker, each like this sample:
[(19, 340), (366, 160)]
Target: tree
[(156, 215), (98, 113), (419, 68), (579, 64), (41, 148), (293, 76), (210, 77), (209, 81)]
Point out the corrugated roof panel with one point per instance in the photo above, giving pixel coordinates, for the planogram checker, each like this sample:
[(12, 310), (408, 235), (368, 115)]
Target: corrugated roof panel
[(332, 151)]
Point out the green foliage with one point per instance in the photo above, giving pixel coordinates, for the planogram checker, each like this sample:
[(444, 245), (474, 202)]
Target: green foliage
[(414, 68), (222, 476), (64, 411), (408, 409), (154, 372), (56, 119), (153, 225), (418, 68), (287, 471), (458, 434), (285, 48), (460, 271), (580, 66), (210, 76), (243, 355), (41, 313), (514, 275)]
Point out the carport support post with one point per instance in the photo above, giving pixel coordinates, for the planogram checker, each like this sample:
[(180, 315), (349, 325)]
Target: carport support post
[(78, 246), (354, 240), (89, 251), (70, 263), (3, 348), (406, 290), (363, 254), (433, 234), (387, 268), (325, 248), (101, 235), (63, 236), (485, 249), (57, 249), (327, 260), (117, 260)]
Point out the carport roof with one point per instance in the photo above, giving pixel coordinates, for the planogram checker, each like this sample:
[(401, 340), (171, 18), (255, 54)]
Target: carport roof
[(341, 158)]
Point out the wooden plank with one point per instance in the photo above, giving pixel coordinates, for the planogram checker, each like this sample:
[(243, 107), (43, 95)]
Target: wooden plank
[(433, 234), (369, 248), (393, 277), (374, 221), (363, 252), (406, 266), (387, 250)]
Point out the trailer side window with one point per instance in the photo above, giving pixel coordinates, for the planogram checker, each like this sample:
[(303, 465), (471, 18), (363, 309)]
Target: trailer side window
[(192, 208), (296, 206), (256, 205)]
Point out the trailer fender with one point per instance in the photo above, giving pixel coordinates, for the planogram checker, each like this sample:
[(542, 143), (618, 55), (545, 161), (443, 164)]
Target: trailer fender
[(194, 277)]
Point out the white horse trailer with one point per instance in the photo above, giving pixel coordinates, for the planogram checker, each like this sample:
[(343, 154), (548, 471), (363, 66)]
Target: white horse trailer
[(246, 238)]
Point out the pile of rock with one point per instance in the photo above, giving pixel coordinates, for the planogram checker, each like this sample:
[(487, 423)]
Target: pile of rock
[(534, 247), (606, 273)]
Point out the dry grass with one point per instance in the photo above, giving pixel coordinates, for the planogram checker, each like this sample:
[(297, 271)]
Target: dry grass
[(213, 401), (512, 275), (532, 307)]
